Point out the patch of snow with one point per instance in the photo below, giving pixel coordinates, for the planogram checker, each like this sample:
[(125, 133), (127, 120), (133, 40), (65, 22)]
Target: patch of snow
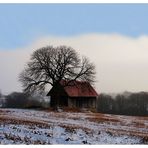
[(57, 131)]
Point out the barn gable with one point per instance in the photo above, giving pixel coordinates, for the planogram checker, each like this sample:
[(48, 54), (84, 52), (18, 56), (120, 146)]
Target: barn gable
[(57, 90)]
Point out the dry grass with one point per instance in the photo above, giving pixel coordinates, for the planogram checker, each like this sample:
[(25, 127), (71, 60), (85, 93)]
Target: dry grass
[(100, 119), (13, 120), (126, 121)]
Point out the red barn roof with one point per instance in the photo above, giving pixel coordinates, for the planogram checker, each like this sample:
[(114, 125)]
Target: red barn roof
[(80, 89)]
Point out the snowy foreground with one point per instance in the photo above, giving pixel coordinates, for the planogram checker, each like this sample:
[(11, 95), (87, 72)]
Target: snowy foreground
[(18, 126)]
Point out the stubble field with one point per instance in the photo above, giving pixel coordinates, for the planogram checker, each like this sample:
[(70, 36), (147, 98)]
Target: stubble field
[(22, 126)]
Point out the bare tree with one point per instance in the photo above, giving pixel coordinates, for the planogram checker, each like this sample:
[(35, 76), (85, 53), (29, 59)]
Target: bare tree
[(49, 65)]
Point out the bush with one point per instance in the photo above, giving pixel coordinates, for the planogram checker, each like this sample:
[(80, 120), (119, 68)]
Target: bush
[(22, 100), (131, 104)]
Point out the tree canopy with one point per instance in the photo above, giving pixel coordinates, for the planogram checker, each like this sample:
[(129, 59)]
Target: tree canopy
[(49, 65)]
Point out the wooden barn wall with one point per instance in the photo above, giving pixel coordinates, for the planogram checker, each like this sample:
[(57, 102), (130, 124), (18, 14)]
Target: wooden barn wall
[(82, 102)]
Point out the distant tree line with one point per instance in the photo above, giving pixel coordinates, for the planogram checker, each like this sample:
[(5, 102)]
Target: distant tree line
[(121, 104), (23, 100), (124, 104)]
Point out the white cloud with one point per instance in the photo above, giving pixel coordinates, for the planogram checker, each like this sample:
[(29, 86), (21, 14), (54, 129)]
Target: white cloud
[(121, 61)]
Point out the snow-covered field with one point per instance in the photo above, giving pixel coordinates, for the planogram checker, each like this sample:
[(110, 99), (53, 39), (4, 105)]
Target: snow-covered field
[(18, 126)]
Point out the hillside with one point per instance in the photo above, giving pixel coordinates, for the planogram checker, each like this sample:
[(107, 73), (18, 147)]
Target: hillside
[(18, 126)]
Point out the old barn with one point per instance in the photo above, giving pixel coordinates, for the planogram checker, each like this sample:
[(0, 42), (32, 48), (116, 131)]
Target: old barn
[(78, 95)]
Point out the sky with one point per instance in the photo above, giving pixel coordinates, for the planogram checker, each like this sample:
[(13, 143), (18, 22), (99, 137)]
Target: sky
[(23, 23), (113, 36)]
